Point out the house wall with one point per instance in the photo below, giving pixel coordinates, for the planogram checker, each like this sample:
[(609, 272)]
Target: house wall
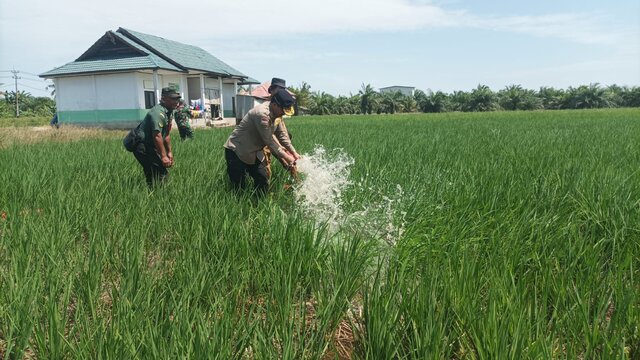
[(109, 100), (145, 83), (193, 88), (214, 94), (228, 96)]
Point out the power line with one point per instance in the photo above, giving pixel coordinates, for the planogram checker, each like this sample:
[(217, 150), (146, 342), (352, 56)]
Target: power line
[(30, 87), (15, 77), (39, 80)]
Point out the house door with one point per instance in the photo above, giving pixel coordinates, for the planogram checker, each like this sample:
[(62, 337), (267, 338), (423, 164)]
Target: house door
[(215, 111)]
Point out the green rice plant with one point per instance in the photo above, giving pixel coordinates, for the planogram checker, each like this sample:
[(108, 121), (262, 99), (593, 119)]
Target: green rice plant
[(514, 235)]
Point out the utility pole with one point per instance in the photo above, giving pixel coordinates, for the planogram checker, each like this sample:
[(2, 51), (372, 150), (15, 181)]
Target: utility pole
[(16, 77)]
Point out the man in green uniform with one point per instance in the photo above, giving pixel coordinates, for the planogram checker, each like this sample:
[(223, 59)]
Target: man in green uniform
[(182, 120), (152, 143)]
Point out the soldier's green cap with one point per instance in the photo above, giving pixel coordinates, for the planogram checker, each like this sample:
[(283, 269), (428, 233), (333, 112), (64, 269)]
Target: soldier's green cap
[(170, 92)]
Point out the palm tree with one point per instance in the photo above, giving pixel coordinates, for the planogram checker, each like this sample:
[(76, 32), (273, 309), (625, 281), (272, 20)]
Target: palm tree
[(322, 103), (434, 102), (552, 99), (368, 99), (483, 98), (354, 101), (19, 100), (514, 97), (409, 104), (614, 94), (587, 97), (631, 97), (459, 101), (341, 105), (303, 97), (391, 102)]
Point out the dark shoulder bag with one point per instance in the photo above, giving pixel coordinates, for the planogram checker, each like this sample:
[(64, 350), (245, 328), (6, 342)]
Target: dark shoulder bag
[(131, 140)]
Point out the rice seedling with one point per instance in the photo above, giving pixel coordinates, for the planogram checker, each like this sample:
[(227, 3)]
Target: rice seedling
[(466, 236)]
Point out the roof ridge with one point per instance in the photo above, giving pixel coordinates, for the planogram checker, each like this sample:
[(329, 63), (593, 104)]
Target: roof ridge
[(185, 56)]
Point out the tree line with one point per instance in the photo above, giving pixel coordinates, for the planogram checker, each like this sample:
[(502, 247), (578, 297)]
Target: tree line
[(482, 98), (370, 101), (28, 104)]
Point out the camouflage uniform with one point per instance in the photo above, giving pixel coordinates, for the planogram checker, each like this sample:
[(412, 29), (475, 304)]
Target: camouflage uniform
[(182, 120), (158, 119)]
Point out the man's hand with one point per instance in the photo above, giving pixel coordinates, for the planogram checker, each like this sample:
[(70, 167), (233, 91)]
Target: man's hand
[(293, 170), (296, 155), (170, 156), (289, 159), (166, 162)]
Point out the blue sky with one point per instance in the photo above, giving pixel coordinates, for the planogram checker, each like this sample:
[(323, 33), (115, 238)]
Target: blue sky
[(336, 45)]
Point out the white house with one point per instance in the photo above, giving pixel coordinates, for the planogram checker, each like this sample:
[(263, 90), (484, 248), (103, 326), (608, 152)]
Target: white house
[(404, 90), (121, 76)]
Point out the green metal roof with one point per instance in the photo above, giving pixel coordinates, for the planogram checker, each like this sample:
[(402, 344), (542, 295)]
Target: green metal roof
[(249, 81), (186, 56), (91, 66), (125, 49)]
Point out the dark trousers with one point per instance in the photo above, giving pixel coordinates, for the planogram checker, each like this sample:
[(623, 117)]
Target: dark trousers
[(237, 171), (151, 164)]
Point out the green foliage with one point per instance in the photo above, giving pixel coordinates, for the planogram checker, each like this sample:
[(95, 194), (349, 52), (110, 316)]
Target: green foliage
[(303, 95), (29, 105), (433, 103), (322, 104), (588, 97), (552, 99), (482, 98), (514, 97), (460, 101), (521, 241), (391, 102), (368, 99)]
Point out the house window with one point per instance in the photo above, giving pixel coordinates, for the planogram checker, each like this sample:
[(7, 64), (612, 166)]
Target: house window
[(149, 99), (211, 93)]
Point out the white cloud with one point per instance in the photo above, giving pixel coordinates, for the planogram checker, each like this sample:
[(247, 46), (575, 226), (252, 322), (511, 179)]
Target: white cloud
[(206, 20), (573, 27)]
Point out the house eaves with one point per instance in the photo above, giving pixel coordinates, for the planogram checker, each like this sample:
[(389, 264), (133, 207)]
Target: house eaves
[(112, 53)]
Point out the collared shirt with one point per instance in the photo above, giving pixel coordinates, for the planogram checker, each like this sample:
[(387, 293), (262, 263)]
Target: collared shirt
[(158, 119), (257, 130)]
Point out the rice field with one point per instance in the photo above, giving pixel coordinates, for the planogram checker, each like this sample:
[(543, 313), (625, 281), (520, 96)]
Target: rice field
[(508, 235)]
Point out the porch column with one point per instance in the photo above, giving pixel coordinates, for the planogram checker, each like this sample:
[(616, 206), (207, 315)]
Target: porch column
[(155, 85), (235, 96), (221, 97), (202, 92), (183, 88)]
